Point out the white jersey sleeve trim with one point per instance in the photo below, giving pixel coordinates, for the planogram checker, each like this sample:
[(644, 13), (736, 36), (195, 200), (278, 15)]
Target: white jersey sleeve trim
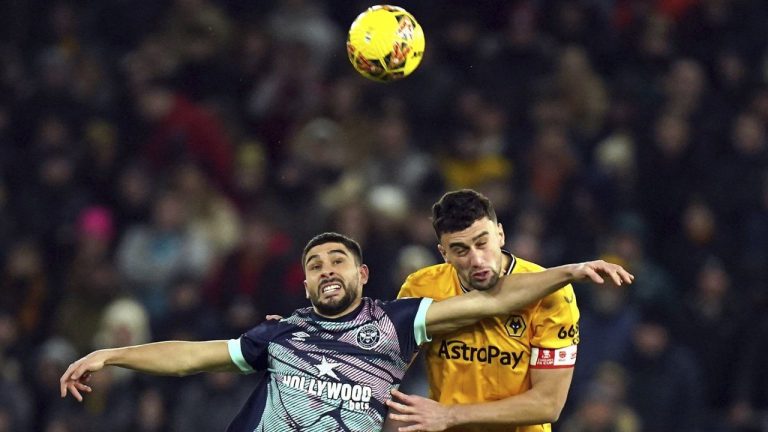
[(420, 322), (236, 354)]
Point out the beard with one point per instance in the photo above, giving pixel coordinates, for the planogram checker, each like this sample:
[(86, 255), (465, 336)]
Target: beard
[(336, 306)]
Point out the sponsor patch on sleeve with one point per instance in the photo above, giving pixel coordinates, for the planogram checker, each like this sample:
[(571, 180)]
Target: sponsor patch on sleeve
[(553, 358)]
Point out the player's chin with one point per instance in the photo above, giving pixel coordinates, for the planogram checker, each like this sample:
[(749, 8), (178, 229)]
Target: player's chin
[(331, 303), (484, 284), (335, 305)]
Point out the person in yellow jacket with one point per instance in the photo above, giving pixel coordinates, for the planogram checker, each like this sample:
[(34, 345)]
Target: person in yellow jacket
[(506, 373)]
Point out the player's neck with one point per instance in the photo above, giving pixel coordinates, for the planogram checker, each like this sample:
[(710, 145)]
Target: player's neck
[(351, 308), (506, 262)]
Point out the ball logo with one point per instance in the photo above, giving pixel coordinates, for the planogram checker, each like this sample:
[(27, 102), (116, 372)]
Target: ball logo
[(368, 336), (406, 28)]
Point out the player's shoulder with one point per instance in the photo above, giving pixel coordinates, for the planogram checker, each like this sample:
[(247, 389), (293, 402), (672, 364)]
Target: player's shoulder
[(390, 307), (297, 317), (270, 329), (433, 281)]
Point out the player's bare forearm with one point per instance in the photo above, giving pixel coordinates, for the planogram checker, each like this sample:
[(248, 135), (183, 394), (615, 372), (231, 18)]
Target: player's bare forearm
[(516, 291), (541, 404), (519, 290), (176, 358)]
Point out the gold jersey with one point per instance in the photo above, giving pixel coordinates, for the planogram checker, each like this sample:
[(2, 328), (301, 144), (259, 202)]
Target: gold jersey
[(490, 360)]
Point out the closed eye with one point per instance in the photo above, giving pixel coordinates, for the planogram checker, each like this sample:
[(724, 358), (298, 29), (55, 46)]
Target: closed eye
[(461, 251)]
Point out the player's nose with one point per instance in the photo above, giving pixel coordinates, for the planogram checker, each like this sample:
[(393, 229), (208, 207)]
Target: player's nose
[(476, 258)]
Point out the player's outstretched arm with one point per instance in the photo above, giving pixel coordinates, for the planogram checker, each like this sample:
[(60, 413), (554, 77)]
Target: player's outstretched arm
[(516, 291), (176, 358)]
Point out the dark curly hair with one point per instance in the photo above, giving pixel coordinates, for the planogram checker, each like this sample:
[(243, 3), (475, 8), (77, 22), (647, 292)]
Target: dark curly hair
[(457, 210)]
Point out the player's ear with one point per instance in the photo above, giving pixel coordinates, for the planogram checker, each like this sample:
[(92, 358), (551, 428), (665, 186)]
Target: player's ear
[(441, 249), (306, 288), (501, 232), (364, 273)]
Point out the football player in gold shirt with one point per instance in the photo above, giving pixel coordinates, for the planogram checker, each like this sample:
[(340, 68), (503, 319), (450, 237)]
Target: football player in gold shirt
[(508, 373)]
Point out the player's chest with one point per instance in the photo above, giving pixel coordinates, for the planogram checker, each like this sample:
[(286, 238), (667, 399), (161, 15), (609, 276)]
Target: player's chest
[(341, 366), (363, 341), (503, 340)]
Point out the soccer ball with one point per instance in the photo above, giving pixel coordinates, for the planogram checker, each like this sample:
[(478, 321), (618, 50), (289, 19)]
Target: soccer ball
[(385, 43)]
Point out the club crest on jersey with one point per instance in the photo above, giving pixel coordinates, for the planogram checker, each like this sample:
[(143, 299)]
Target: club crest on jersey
[(368, 336), (515, 325)]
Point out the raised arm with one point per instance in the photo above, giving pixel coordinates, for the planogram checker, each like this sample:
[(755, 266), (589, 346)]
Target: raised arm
[(177, 358), (514, 292)]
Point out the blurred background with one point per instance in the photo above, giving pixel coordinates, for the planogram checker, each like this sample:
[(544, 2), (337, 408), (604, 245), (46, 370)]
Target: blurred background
[(163, 162)]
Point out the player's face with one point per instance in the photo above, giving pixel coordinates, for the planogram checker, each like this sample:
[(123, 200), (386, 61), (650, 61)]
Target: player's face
[(475, 253), (334, 282)]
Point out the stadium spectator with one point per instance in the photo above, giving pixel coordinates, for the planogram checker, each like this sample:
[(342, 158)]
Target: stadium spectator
[(210, 211), (261, 263), (710, 328), (749, 403), (606, 327), (27, 292), (665, 383), (152, 255), (184, 130), (131, 197)]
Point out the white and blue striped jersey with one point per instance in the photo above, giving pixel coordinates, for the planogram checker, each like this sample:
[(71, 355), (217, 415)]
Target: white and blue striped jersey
[(326, 374)]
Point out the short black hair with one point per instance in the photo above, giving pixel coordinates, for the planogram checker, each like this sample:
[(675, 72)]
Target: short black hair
[(333, 237), (457, 210)]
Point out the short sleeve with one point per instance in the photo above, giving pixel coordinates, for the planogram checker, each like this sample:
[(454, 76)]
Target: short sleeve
[(556, 320), (420, 322), (555, 329), (250, 352), (409, 318)]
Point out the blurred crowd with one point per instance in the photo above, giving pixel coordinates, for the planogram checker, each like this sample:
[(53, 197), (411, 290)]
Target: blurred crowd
[(163, 162)]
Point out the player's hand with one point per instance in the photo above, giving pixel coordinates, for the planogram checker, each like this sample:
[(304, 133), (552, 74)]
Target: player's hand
[(597, 270), (274, 317), (78, 374), (420, 413)]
